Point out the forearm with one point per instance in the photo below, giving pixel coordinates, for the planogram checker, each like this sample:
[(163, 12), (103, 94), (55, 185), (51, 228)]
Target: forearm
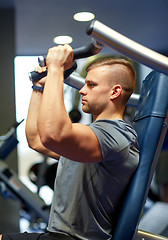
[(31, 122), (32, 133), (33, 111), (53, 114)]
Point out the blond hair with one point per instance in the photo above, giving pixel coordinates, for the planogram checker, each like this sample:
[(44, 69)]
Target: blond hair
[(111, 61)]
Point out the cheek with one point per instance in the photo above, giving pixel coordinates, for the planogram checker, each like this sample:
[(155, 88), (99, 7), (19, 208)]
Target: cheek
[(104, 89), (103, 94), (98, 97), (101, 91), (99, 102)]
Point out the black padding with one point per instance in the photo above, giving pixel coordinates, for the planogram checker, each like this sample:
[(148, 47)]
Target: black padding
[(153, 97)]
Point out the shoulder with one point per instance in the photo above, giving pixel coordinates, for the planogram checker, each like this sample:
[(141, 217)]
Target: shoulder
[(114, 135), (116, 126)]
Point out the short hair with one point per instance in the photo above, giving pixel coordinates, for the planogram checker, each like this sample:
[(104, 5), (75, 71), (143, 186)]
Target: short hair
[(128, 87), (111, 61)]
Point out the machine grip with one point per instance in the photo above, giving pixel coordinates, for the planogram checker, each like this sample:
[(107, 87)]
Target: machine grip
[(81, 52), (87, 51), (35, 76)]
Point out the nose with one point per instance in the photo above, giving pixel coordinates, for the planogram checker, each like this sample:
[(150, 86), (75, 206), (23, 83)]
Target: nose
[(83, 91)]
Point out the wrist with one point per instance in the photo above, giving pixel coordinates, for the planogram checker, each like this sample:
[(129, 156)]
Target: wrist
[(56, 69), (37, 88), (37, 83)]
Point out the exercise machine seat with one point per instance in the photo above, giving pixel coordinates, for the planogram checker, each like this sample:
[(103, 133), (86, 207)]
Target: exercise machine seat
[(150, 125)]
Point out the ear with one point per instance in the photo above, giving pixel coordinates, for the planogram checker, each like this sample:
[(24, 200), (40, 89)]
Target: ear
[(116, 91)]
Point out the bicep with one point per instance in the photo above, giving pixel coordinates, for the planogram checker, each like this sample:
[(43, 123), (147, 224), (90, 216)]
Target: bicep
[(80, 144), (88, 148)]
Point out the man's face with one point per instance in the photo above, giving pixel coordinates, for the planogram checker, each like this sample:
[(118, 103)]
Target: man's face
[(97, 90)]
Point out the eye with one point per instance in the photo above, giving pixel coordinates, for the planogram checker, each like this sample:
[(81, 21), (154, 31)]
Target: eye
[(90, 84)]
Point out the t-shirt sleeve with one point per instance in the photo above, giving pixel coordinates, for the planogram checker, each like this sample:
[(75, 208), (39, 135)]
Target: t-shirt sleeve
[(113, 144)]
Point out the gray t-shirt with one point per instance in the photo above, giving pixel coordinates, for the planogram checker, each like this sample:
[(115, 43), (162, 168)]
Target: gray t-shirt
[(87, 195)]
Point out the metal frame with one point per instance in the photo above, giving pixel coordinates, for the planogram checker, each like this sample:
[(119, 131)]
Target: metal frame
[(112, 39), (142, 235)]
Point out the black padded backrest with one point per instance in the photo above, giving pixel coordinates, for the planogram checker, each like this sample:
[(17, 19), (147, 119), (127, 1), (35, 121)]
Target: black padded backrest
[(149, 124)]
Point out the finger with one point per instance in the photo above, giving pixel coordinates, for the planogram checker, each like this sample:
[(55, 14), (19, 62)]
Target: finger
[(44, 69), (69, 48), (40, 69)]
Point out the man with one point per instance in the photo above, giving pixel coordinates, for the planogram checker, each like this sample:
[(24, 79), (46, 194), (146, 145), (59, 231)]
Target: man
[(98, 160)]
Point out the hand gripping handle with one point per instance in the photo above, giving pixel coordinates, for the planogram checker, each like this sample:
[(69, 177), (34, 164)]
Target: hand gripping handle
[(81, 52), (35, 76)]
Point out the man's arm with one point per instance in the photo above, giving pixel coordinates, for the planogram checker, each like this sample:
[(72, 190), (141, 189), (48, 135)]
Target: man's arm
[(32, 134), (57, 133)]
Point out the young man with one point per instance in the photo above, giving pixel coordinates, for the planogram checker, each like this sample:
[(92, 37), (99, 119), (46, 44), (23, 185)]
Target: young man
[(97, 161)]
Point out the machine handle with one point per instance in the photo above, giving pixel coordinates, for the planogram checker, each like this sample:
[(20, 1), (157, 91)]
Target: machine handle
[(81, 52), (35, 76)]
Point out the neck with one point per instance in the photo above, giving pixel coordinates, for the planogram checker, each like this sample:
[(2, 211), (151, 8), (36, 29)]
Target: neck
[(115, 111), (111, 116)]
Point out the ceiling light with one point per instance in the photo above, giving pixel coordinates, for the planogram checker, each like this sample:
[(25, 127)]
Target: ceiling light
[(63, 39), (84, 16)]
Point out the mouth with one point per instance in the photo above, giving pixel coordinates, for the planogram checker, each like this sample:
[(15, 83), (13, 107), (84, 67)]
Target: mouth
[(83, 101)]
